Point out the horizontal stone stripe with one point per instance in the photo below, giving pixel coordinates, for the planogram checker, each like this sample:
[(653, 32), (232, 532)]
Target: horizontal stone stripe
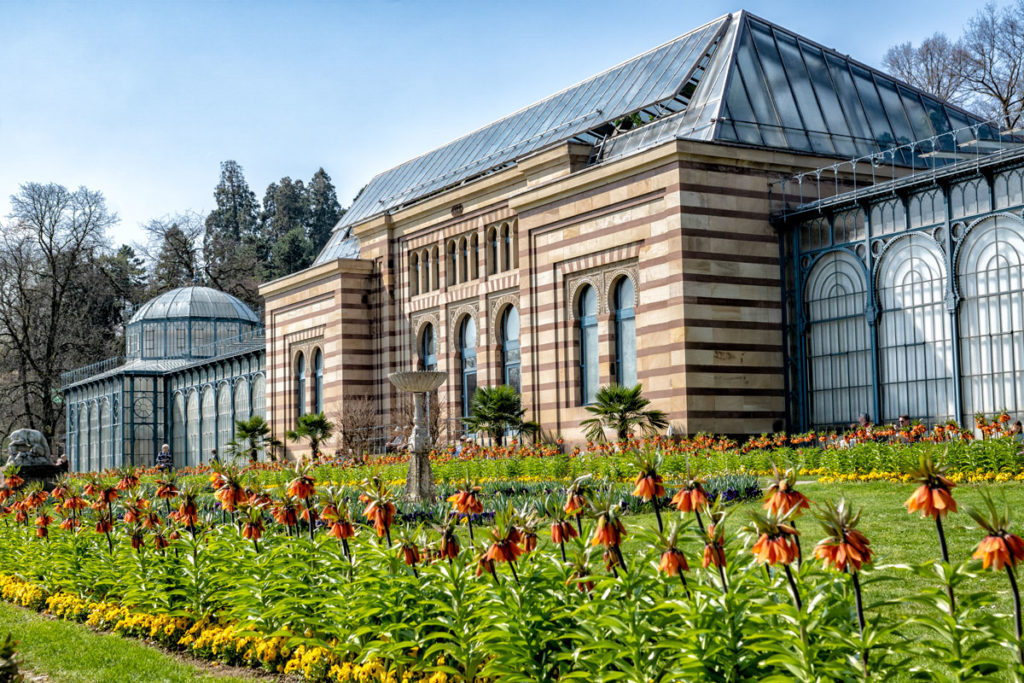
[(737, 391), (725, 346), (729, 279), (732, 303), (733, 369), (539, 252), (723, 235), (733, 324), (719, 212), (732, 258)]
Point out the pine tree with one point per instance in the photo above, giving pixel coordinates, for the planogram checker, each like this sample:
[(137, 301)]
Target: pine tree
[(235, 217), (324, 210), (291, 253), (177, 263), (231, 242)]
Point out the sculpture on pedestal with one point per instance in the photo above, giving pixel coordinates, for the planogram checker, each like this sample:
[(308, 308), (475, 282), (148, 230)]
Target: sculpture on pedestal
[(28, 450), (419, 483)]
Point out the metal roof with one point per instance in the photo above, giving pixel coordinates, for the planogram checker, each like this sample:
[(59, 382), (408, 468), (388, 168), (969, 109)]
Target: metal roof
[(738, 79), (194, 302)]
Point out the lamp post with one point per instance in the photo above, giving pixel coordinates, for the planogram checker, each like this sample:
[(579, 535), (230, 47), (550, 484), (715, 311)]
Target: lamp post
[(419, 483)]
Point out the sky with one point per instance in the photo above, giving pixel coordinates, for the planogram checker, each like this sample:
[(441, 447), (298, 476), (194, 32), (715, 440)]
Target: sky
[(143, 100)]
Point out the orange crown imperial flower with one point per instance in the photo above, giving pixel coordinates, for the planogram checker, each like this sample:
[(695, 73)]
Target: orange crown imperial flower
[(999, 548), (673, 562), (777, 541), (782, 496), (844, 547), (691, 498), (932, 498)]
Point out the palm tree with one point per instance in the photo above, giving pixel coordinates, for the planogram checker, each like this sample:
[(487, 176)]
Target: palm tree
[(622, 409), (497, 411), (252, 433), (315, 428)]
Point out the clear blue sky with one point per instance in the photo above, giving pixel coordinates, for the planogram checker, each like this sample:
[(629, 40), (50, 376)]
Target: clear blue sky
[(142, 100)]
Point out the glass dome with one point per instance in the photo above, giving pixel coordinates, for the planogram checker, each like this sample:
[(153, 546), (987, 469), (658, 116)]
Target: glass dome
[(188, 322)]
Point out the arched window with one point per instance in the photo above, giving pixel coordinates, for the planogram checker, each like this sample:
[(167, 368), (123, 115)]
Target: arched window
[(178, 431), (437, 269), (83, 438), (104, 436), (474, 257), (225, 426), (209, 422), (192, 428), (467, 352), (318, 393), (453, 264), (914, 348), (991, 269), (426, 271), (414, 274), (590, 372), (241, 401), (838, 341), (510, 348), (428, 348), (94, 437), (259, 396), (492, 242), (464, 263), (506, 233), (300, 385), (514, 260), (625, 333)]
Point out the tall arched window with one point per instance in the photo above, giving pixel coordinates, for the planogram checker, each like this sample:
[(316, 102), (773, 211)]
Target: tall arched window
[(104, 435), (241, 400), (838, 341), (94, 437), (492, 242), (467, 352), (192, 429), (259, 396), (300, 385), (225, 426), (506, 232), (437, 269), (318, 369), (991, 269), (914, 347), (414, 274), (83, 438), (474, 257), (590, 372), (428, 348), (178, 431), (510, 348), (464, 262), (426, 271), (625, 333), (209, 421), (453, 264)]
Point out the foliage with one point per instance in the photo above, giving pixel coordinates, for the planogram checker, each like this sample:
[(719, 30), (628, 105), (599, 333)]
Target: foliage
[(314, 428), (622, 409), (9, 662), (498, 411), (252, 435)]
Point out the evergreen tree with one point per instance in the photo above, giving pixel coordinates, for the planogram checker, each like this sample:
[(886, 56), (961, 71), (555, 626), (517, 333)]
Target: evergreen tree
[(290, 206), (176, 263), (324, 210), (235, 217), (231, 241), (290, 254), (125, 272)]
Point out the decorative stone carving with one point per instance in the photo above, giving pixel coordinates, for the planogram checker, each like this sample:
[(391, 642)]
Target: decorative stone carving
[(419, 319), (28, 448), (601, 279), (455, 314), (497, 304)]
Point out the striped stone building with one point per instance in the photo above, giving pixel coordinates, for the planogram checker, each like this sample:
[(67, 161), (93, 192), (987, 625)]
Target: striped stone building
[(617, 231)]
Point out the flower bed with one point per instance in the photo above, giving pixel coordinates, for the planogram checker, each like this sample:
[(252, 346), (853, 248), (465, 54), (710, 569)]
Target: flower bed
[(294, 580)]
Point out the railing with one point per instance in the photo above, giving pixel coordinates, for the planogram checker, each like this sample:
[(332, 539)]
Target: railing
[(78, 374), (928, 156)]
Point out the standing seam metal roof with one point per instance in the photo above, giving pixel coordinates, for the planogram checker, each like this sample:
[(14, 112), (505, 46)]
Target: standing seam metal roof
[(761, 86), (194, 302)]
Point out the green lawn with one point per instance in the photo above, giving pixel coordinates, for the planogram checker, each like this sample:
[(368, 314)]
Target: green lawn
[(66, 651)]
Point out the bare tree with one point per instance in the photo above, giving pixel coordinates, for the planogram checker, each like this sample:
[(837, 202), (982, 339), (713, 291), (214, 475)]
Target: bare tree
[(935, 66), (993, 68), (357, 421), (47, 254), (173, 250)]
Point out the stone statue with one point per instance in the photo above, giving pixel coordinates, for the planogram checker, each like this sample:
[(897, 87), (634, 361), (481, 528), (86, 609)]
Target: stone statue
[(28, 448)]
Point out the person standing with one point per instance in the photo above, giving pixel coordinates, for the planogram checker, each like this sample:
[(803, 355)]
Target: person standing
[(164, 461)]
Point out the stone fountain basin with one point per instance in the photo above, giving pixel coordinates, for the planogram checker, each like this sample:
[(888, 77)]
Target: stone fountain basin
[(417, 381)]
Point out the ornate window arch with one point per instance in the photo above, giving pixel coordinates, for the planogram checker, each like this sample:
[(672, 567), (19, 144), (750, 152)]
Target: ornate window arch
[(425, 258), (414, 274), (587, 343), (467, 357), (838, 340), (436, 283), (474, 257), (623, 301), (915, 351), (492, 250), (463, 260), (990, 269), (225, 425), (427, 347), (506, 247), (453, 264)]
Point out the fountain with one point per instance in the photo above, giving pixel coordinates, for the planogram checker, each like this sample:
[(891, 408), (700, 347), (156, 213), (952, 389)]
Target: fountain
[(419, 483)]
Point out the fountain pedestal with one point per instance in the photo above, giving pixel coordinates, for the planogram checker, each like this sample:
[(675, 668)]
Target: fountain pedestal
[(419, 483)]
